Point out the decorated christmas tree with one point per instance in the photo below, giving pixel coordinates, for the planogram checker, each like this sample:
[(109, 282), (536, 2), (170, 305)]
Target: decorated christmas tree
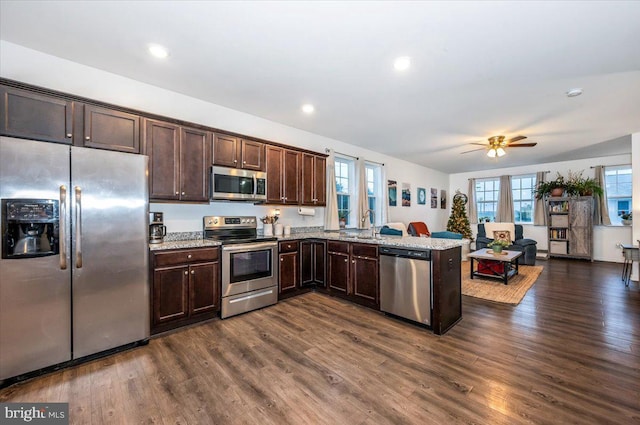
[(458, 221)]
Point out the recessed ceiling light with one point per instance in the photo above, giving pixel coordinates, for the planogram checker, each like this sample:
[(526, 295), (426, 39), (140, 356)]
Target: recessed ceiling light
[(158, 51), (574, 92), (402, 63), (308, 108)]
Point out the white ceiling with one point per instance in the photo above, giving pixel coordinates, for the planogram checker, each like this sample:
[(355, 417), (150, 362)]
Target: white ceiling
[(478, 68)]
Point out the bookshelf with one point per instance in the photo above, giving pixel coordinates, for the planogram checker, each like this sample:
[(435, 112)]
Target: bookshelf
[(570, 227)]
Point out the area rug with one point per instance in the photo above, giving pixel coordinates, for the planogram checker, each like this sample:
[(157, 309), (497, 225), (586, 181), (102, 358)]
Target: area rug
[(495, 290)]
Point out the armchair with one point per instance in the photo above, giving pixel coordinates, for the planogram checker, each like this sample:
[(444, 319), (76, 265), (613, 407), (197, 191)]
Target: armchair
[(526, 246)]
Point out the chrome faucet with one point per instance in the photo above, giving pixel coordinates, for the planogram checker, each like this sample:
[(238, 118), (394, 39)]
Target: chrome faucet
[(373, 226)]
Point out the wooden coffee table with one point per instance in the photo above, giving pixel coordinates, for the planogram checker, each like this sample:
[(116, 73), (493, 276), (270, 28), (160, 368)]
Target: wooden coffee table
[(488, 259)]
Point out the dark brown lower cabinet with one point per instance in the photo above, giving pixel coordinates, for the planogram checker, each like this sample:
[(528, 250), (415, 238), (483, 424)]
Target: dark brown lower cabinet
[(338, 269), (185, 287), (447, 289), (353, 272), (289, 275), (312, 263)]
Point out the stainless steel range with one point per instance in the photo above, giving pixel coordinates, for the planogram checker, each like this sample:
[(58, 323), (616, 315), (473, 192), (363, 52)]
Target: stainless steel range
[(249, 271)]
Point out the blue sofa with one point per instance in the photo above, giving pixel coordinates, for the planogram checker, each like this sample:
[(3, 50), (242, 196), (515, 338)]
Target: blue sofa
[(528, 247)]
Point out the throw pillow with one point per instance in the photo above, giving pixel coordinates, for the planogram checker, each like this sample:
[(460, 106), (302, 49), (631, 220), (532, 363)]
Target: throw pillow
[(502, 235)]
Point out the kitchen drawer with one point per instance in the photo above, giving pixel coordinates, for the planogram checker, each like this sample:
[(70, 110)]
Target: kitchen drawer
[(557, 247), (364, 250), (184, 256), (559, 221), (334, 246), (288, 246)]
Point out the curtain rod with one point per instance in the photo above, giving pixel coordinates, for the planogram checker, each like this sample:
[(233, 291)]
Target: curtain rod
[(610, 165), (327, 150), (499, 176)]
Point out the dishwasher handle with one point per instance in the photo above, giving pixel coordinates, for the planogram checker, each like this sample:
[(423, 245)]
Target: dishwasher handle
[(424, 254)]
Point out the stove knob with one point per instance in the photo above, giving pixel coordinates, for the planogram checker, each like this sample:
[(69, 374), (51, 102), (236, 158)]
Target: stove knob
[(215, 221), (210, 222)]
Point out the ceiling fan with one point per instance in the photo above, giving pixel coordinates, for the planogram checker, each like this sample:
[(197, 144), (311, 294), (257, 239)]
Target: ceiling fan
[(497, 145)]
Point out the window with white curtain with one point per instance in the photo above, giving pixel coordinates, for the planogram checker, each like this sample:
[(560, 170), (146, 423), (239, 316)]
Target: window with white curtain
[(619, 189), (522, 188), (487, 194), (374, 191), (345, 187)]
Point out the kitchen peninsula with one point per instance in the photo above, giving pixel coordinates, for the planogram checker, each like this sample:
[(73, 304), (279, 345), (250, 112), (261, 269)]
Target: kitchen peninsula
[(345, 264)]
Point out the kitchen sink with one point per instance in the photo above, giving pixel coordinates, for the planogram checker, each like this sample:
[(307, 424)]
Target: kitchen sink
[(359, 236)]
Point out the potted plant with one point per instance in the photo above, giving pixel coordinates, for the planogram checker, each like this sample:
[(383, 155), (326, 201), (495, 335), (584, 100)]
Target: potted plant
[(554, 187), (627, 218), (342, 218), (580, 186), (497, 246)]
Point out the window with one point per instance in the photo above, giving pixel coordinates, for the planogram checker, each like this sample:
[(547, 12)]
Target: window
[(347, 190), (344, 183), (522, 188), (487, 193), (374, 191), (618, 184)]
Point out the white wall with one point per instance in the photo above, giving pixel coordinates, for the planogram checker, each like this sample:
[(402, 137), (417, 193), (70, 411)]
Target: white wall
[(605, 238), (32, 67)]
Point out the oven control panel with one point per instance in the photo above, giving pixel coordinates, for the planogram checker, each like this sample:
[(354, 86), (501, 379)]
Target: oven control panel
[(217, 222)]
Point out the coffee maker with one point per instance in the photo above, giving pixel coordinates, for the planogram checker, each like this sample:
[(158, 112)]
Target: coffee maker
[(30, 228), (157, 229)]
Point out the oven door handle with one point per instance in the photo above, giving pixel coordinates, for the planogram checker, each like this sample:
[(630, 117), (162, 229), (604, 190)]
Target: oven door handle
[(249, 246)]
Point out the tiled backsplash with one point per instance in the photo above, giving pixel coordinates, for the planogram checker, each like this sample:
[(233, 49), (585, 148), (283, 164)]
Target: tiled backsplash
[(188, 236)]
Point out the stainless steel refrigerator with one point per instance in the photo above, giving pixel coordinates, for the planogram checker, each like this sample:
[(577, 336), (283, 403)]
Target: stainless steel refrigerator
[(91, 292)]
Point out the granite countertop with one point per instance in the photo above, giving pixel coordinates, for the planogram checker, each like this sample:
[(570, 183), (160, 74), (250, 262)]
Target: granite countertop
[(348, 236), (191, 243)]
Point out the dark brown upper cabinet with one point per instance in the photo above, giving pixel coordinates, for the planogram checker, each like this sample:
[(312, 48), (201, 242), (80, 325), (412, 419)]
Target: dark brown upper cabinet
[(313, 182), (111, 129), (178, 162), (35, 116), (230, 151), (283, 174)]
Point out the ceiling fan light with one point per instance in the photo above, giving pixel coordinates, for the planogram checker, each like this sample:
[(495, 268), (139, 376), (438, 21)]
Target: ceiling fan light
[(500, 152), (491, 153)]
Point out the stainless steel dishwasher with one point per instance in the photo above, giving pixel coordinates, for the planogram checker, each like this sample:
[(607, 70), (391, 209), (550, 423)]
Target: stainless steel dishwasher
[(405, 283)]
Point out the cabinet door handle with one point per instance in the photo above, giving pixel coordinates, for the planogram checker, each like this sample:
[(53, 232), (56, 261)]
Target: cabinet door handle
[(244, 162), (182, 193), (353, 261), (87, 138), (186, 273), (235, 161), (69, 135), (346, 261), (177, 193), (282, 259), (189, 256), (193, 272)]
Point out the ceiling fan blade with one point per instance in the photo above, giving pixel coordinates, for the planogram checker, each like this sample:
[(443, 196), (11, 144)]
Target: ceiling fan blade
[(473, 150), (478, 143), (523, 145), (515, 139)]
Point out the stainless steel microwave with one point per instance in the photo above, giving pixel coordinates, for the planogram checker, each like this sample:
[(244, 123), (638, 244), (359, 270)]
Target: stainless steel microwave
[(233, 184)]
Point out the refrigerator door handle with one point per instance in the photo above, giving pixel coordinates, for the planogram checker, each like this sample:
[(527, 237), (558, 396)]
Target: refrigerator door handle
[(78, 220), (63, 227)]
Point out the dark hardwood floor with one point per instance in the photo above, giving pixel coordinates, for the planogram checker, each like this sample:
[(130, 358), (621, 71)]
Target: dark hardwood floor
[(568, 354)]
